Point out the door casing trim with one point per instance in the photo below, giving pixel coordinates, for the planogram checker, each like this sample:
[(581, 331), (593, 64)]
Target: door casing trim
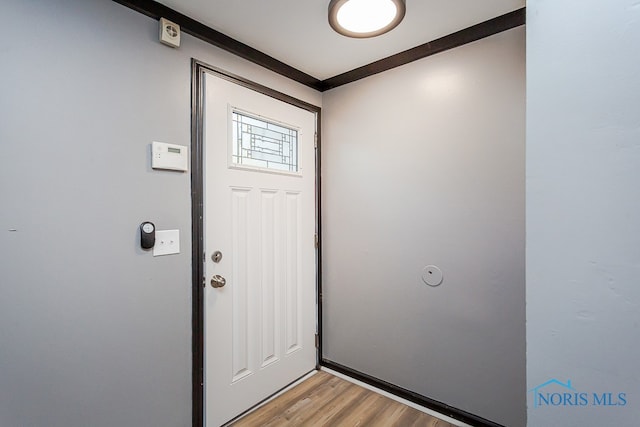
[(198, 71)]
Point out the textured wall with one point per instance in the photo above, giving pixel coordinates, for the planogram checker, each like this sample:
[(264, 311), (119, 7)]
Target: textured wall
[(583, 205), (424, 164), (94, 331)]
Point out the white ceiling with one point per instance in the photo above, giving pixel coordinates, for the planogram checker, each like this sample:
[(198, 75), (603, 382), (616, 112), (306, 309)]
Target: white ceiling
[(297, 32)]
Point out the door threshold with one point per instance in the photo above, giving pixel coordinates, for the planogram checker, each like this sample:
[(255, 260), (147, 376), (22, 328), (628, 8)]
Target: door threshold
[(273, 396), (397, 398)]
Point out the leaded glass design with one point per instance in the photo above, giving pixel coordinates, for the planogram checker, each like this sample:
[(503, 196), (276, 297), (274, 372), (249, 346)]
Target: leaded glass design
[(259, 143)]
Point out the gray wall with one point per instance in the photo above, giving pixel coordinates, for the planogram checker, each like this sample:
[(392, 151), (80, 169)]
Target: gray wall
[(423, 165), (583, 207), (94, 331)]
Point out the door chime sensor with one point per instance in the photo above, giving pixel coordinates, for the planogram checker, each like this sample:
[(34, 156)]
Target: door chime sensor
[(169, 33)]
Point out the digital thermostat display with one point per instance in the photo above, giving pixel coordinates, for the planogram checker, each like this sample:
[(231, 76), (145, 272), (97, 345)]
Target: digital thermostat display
[(169, 156)]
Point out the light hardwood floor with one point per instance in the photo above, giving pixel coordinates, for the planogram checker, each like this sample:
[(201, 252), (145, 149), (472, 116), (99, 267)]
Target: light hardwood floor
[(326, 400)]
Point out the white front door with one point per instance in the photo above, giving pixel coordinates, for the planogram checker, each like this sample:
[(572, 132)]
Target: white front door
[(259, 216)]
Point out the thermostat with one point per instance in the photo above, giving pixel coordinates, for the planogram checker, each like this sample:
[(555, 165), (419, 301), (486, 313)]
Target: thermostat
[(169, 156)]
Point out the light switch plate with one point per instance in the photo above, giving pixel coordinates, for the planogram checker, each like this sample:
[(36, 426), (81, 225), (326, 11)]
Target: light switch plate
[(167, 242)]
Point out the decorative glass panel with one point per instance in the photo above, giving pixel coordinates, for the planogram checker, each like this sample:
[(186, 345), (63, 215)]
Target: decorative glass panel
[(259, 143)]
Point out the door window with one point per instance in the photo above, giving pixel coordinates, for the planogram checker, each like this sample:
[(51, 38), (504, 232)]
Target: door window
[(263, 144)]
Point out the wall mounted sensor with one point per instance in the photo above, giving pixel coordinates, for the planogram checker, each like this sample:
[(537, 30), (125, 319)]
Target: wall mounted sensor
[(147, 235), (432, 276), (169, 33), (169, 156)]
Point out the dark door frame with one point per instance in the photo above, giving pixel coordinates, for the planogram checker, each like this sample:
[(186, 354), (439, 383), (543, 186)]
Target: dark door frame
[(198, 71)]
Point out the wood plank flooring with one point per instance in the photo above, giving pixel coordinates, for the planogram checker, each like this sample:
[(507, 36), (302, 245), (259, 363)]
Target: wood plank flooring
[(326, 400)]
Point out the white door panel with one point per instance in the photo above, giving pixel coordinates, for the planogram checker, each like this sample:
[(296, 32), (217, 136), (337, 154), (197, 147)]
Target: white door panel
[(260, 327)]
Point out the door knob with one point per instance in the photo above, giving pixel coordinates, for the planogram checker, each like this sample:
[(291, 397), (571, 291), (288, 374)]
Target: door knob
[(218, 281)]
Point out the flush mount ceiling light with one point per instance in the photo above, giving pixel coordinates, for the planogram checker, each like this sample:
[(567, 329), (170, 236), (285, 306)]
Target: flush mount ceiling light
[(365, 18)]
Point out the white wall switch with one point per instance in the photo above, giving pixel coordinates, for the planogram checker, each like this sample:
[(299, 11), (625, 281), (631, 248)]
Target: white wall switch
[(167, 242), (169, 156)]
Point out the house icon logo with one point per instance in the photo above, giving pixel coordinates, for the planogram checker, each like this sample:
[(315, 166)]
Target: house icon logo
[(555, 393), (537, 391)]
